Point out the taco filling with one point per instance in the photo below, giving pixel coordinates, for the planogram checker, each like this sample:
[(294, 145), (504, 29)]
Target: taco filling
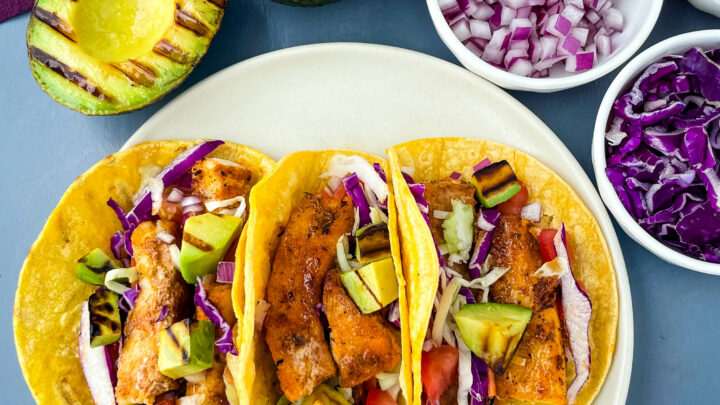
[(332, 323), (508, 314), (159, 326)]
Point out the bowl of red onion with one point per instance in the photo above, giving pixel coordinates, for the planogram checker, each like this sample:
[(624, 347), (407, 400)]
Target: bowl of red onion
[(656, 150), (543, 45)]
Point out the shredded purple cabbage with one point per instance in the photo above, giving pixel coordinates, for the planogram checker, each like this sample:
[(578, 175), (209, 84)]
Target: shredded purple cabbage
[(482, 247), (662, 156), (354, 190), (225, 343), (380, 171), (127, 299), (163, 313), (119, 212)]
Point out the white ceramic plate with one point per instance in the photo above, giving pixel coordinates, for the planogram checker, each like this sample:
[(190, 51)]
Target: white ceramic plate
[(369, 97)]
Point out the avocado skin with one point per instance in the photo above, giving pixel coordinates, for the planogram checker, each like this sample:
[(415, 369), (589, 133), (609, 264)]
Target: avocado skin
[(305, 3), (70, 95)]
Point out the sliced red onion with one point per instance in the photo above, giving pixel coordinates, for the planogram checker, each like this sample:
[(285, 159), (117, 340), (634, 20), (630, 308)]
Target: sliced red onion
[(532, 212), (225, 272), (577, 309), (96, 363), (175, 196)]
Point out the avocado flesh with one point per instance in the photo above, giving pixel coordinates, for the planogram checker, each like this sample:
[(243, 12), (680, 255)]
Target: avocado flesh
[(373, 286), (93, 267), (69, 57), (492, 331), (372, 243), (186, 348), (105, 324), (206, 239), (495, 183)]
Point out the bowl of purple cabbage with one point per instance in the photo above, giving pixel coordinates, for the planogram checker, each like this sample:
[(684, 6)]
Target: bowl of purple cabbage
[(543, 45), (656, 150)]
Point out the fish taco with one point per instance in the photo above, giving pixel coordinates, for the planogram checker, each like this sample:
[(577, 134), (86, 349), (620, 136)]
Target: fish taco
[(325, 311), (511, 288), (126, 295)]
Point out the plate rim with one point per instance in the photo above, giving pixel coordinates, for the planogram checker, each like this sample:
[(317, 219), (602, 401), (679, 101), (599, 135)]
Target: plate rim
[(625, 310)]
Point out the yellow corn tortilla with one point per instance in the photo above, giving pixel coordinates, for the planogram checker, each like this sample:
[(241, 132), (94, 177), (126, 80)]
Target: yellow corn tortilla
[(47, 302), (434, 159), (271, 203)]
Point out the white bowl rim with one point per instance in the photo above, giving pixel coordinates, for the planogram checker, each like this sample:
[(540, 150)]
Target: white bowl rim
[(513, 81), (607, 192)]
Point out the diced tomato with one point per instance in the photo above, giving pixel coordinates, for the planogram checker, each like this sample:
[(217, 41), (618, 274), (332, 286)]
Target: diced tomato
[(379, 397), (338, 194), (492, 391), (547, 245), (439, 370), (515, 204)]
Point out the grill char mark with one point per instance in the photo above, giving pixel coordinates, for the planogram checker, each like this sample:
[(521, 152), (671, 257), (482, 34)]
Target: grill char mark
[(187, 20), (55, 22), (68, 73), (170, 51), (137, 72)]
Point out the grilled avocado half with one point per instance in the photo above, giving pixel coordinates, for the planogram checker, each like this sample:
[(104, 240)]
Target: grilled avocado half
[(104, 57)]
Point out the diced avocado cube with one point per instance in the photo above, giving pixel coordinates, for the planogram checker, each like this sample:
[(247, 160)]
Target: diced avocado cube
[(495, 183), (206, 239), (372, 242), (492, 331), (381, 279), (359, 292), (373, 286), (186, 348), (324, 395), (105, 324), (92, 267)]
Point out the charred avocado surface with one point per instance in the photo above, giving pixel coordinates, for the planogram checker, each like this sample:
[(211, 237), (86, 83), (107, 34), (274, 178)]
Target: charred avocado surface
[(110, 56)]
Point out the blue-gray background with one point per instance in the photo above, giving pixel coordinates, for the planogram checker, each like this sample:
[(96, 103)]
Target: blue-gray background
[(44, 147)]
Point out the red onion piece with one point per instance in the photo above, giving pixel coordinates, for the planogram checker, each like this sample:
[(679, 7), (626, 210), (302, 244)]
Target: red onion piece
[(532, 212), (175, 196), (96, 363), (225, 272)]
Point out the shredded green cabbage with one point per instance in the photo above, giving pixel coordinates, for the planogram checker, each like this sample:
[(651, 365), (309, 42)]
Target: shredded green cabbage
[(458, 231)]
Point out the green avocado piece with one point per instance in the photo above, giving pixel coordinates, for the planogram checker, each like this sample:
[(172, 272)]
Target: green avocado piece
[(92, 267), (105, 324), (373, 286), (206, 239), (186, 348), (372, 243), (495, 183), (492, 331), (103, 57), (306, 3)]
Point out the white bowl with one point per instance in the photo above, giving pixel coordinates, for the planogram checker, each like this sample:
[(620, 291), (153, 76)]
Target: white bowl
[(640, 17), (676, 45)]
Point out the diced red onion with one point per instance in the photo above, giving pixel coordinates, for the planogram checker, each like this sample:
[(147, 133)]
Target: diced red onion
[(193, 208), (455, 175), (532, 212), (165, 237), (393, 315), (96, 363), (577, 309), (225, 272), (175, 196), (482, 164), (548, 30), (191, 200)]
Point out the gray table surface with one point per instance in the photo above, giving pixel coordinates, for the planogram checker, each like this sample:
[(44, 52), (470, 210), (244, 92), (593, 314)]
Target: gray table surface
[(44, 147)]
